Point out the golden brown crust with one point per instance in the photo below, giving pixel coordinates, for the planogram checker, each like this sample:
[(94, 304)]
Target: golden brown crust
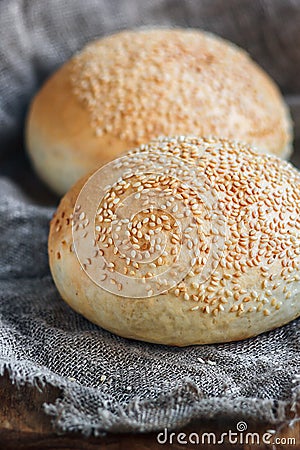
[(60, 141), (113, 95), (253, 287)]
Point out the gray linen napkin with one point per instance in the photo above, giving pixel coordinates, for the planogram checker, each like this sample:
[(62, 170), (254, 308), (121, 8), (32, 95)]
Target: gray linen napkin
[(110, 383)]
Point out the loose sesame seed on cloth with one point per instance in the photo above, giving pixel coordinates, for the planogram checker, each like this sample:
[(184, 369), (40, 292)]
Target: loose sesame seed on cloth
[(110, 383)]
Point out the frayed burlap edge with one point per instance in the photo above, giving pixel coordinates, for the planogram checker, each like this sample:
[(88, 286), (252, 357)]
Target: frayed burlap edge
[(174, 410)]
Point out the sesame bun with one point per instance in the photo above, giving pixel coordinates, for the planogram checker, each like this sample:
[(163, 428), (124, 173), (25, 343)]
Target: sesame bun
[(182, 241), (128, 88)]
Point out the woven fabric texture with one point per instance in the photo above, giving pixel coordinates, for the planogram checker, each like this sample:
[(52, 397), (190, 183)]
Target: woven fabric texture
[(110, 383)]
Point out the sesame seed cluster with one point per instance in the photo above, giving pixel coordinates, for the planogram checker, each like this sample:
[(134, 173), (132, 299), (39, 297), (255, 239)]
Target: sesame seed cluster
[(149, 211), (259, 198), (133, 88), (170, 217), (255, 252)]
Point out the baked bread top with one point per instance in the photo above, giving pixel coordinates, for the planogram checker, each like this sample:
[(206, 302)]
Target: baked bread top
[(125, 89)]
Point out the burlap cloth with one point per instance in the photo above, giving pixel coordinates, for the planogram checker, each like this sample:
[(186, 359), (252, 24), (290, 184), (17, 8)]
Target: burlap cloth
[(110, 383)]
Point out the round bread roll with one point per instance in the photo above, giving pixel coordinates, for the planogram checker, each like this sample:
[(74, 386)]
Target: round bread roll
[(128, 88), (182, 241)]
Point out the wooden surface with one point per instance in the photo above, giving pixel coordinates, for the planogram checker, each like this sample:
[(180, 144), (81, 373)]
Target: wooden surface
[(24, 426)]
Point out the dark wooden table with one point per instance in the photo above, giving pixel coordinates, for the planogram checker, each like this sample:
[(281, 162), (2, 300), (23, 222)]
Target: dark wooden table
[(24, 426)]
